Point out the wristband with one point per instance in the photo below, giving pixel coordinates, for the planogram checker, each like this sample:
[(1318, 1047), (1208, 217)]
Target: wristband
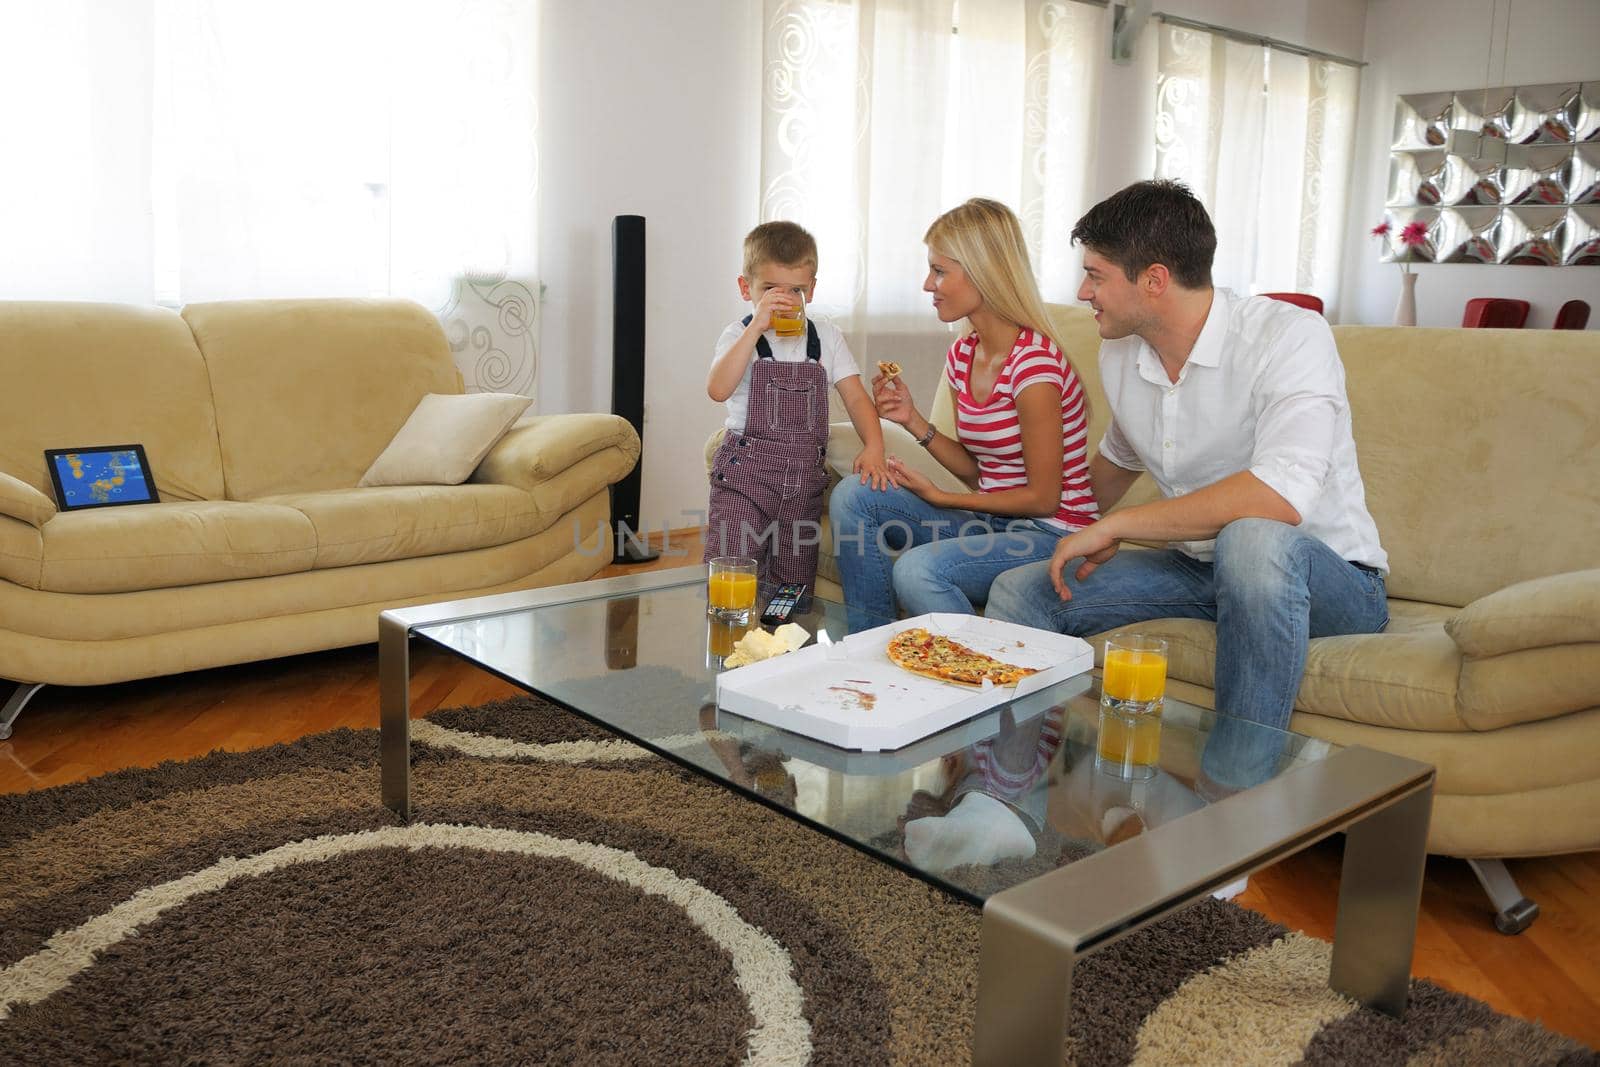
[(926, 438)]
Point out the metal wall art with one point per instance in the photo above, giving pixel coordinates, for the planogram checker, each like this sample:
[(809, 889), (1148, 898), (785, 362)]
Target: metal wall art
[(1508, 175)]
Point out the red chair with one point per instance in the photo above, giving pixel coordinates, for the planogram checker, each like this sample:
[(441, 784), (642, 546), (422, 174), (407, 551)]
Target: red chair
[(1305, 300), (1495, 313), (1574, 315)]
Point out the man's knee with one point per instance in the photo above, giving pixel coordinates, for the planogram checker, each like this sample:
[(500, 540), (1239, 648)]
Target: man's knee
[(1248, 543), (1256, 555)]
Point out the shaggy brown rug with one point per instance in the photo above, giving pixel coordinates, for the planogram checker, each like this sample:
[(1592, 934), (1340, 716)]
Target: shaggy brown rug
[(561, 897)]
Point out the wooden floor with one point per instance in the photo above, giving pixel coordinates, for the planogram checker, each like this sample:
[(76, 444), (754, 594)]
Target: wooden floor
[(1550, 973)]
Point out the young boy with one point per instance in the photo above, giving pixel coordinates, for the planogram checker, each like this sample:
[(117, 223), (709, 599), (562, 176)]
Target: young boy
[(770, 471)]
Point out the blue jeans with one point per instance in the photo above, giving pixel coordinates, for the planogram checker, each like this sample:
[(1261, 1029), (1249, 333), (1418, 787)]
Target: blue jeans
[(948, 558), (1270, 589)]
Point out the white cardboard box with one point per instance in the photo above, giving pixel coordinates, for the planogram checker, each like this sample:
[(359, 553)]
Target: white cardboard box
[(850, 695)]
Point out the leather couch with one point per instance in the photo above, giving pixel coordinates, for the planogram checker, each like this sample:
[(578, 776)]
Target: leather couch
[(1480, 452), (258, 419)]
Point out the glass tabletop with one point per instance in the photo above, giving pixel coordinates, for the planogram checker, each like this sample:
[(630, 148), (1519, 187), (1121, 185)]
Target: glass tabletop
[(977, 808)]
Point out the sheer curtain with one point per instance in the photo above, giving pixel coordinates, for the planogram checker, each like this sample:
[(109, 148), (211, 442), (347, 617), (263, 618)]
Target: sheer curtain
[(879, 115), (174, 151), (1265, 138)]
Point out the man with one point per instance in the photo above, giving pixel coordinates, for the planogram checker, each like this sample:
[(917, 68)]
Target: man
[(1236, 407)]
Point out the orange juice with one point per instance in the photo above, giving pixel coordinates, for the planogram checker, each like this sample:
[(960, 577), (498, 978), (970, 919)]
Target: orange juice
[(1134, 675), (732, 591), (722, 636), (1135, 741), (791, 323), (1131, 687)]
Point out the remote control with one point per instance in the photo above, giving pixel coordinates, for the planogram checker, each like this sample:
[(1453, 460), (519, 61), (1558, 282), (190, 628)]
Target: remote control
[(782, 604)]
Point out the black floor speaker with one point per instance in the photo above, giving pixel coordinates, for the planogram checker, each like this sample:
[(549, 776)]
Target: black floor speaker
[(627, 377)]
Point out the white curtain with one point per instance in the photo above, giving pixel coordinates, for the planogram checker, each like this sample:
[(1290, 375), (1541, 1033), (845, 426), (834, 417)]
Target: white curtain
[(1264, 137), (879, 115), (173, 151)]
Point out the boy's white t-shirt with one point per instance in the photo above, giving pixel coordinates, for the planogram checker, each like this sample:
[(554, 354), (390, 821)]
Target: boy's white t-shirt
[(837, 362)]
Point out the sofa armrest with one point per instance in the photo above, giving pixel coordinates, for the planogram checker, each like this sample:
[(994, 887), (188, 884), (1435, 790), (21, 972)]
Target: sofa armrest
[(1560, 609), (19, 500), (543, 446)]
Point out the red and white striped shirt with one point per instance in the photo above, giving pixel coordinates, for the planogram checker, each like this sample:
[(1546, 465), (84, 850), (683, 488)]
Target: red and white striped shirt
[(992, 432)]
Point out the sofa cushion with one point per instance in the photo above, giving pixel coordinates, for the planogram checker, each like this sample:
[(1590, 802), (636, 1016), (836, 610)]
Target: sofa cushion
[(404, 521), (74, 375), (1526, 686), (153, 546), (309, 392), (1562, 609), (1405, 677), (445, 439), (1477, 451)]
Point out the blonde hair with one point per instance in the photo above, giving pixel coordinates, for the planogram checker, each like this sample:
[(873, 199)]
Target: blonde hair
[(785, 243), (986, 239)]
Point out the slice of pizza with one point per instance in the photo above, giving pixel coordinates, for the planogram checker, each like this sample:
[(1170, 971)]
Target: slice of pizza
[(888, 368), (935, 656)]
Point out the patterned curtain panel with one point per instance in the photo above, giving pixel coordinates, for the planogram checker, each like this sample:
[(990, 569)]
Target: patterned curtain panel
[(879, 115), (1265, 139), (216, 150)]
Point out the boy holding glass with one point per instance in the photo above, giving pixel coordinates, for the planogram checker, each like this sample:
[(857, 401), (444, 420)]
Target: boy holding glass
[(772, 369)]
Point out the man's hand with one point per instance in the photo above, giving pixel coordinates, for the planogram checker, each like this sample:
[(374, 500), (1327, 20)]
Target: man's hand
[(773, 299), (1092, 544), (873, 469)]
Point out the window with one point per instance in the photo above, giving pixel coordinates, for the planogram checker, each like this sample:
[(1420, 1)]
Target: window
[(1264, 137)]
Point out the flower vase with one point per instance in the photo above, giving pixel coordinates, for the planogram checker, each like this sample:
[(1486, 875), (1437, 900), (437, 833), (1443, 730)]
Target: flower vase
[(1405, 312)]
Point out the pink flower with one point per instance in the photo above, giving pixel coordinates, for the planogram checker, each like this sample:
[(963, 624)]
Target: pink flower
[(1381, 229), (1414, 234)]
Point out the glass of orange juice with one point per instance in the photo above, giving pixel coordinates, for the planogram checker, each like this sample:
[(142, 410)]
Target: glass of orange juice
[(1132, 684), (791, 323), (731, 588)]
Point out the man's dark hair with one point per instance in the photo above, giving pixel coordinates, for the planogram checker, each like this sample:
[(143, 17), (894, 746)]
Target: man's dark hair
[(1152, 222)]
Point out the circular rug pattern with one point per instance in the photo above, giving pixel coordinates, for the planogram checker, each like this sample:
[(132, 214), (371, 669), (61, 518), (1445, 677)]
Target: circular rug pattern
[(565, 897)]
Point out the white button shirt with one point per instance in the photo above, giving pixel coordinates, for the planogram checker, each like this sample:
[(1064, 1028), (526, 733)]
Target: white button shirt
[(1262, 391)]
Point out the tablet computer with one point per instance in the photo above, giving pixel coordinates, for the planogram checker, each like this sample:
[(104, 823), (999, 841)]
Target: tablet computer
[(103, 476)]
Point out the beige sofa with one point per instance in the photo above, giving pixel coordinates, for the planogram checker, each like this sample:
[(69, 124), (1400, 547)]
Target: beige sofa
[(258, 419), (1480, 450)]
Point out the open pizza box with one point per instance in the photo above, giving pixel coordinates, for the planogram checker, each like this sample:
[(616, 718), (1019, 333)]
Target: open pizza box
[(849, 694)]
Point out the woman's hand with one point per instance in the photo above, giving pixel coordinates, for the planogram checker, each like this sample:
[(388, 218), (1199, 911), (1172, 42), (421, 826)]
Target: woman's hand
[(873, 468), (916, 481), (893, 400)]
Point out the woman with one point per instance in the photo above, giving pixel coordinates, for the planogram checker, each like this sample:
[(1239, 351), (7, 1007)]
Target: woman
[(1021, 423)]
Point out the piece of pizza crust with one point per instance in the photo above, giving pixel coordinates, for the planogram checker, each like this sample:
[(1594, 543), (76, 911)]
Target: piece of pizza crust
[(888, 368)]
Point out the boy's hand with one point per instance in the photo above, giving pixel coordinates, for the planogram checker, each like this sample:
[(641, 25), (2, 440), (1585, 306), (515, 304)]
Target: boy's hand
[(772, 300), (893, 400), (872, 468)]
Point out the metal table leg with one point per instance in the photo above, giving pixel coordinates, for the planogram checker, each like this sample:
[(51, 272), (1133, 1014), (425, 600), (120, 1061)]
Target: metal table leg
[(394, 714), (1380, 891), (1024, 988)]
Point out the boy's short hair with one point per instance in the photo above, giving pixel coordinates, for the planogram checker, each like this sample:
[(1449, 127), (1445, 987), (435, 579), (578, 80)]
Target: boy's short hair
[(1152, 222), (783, 243)]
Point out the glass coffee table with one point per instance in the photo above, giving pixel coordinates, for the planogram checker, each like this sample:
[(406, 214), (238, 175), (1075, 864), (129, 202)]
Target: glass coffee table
[(1006, 811)]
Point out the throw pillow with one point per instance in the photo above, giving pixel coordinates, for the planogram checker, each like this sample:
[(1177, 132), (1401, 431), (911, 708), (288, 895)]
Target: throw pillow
[(445, 439)]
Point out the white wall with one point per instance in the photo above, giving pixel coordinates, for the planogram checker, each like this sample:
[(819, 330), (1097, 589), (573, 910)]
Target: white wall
[(653, 110), (1437, 45)]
